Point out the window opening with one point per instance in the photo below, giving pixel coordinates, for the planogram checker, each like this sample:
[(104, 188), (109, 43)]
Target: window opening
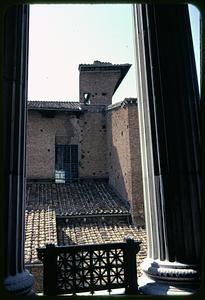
[(86, 97), (66, 163)]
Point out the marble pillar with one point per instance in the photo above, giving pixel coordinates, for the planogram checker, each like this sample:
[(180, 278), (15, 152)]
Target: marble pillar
[(169, 107), (17, 280)]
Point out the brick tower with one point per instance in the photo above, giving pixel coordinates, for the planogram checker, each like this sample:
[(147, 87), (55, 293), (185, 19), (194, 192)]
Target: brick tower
[(99, 81)]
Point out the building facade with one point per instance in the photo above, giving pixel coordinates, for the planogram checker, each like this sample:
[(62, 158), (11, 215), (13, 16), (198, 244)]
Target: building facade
[(92, 138), (181, 241)]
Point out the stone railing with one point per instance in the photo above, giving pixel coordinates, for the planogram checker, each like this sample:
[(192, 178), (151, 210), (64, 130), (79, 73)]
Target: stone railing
[(89, 268)]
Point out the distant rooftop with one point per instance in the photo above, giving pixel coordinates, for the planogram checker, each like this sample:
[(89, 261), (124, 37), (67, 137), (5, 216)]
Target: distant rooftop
[(123, 103), (75, 106), (54, 105), (99, 64)]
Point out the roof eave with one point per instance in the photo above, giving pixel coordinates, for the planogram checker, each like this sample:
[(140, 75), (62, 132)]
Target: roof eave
[(124, 70), (54, 109)]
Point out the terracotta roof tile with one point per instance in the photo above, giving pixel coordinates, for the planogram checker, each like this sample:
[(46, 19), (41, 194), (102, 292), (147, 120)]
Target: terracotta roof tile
[(98, 63), (100, 232), (77, 198), (125, 102), (47, 202), (54, 105), (40, 228)]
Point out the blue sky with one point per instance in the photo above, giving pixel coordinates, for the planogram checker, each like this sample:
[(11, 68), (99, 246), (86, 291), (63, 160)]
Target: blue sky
[(63, 36), (195, 21)]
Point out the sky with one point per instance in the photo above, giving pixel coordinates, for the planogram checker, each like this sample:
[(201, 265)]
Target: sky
[(64, 36), (195, 27)]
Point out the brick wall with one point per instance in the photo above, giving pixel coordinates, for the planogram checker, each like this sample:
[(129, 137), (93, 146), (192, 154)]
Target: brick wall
[(124, 162), (88, 131), (93, 145), (108, 146), (136, 195), (100, 84), (40, 150), (118, 150)]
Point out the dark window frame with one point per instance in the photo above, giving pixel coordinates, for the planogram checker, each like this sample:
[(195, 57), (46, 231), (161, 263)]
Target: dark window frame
[(66, 160)]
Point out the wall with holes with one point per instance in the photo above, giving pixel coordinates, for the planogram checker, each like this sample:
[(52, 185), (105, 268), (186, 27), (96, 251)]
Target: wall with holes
[(88, 131), (99, 85), (108, 146), (93, 145), (123, 156)]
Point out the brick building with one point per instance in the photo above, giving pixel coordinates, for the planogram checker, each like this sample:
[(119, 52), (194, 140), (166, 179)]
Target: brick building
[(84, 181), (173, 264), (92, 138)]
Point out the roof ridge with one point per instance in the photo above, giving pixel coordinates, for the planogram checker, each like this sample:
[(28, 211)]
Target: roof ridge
[(63, 101)]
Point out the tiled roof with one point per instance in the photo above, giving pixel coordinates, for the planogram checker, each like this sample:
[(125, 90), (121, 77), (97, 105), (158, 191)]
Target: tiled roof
[(123, 103), (96, 232), (78, 198), (40, 228), (100, 232), (54, 105), (46, 202), (98, 63)]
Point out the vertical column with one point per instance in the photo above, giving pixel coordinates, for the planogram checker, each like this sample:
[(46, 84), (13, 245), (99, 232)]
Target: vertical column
[(170, 146), (17, 280)]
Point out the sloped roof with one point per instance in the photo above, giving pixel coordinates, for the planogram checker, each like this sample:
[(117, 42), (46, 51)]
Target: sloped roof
[(47, 202), (40, 228), (86, 197), (99, 232), (54, 105), (125, 102)]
